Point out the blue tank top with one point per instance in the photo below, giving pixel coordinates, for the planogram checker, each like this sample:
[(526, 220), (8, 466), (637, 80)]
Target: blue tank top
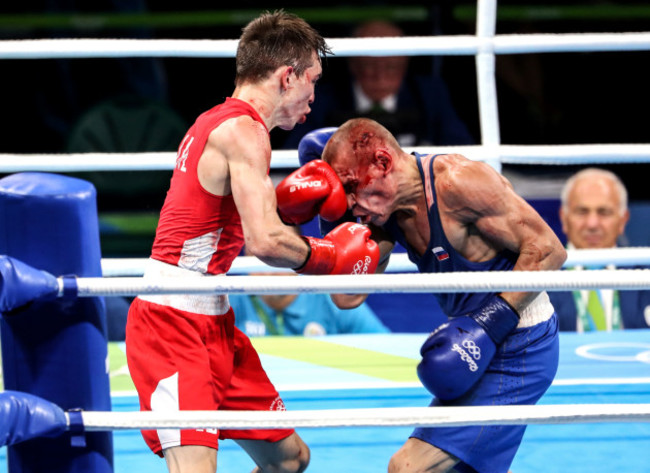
[(441, 257)]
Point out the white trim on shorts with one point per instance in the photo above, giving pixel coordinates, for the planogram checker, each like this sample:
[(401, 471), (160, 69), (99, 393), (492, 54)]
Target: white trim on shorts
[(203, 304), (538, 311)]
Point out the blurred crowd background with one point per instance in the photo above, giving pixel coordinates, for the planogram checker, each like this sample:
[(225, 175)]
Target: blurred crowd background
[(145, 104)]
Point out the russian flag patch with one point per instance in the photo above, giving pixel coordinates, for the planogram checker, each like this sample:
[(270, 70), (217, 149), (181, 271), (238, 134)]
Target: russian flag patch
[(440, 253)]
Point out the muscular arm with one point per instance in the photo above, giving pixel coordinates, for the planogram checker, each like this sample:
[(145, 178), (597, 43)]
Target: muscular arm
[(482, 215), (236, 160)]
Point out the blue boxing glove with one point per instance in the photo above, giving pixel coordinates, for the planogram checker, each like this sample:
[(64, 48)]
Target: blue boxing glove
[(312, 144), (457, 353), (21, 284), (25, 416)]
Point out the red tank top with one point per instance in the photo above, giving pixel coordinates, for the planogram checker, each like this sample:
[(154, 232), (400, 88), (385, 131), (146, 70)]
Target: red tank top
[(198, 230)]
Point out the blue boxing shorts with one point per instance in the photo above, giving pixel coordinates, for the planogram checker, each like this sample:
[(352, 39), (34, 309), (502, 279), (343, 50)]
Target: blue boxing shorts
[(520, 373)]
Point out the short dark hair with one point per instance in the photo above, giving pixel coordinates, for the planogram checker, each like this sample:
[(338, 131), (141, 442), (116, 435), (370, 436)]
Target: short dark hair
[(273, 40)]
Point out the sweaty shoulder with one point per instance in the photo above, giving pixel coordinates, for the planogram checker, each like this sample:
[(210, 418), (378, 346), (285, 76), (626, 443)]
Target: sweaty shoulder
[(451, 170), (240, 137), (449, 162), (238, 142), (461, 182)]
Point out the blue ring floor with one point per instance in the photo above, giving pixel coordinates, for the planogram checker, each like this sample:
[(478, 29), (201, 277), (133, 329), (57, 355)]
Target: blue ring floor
[(594, 368)]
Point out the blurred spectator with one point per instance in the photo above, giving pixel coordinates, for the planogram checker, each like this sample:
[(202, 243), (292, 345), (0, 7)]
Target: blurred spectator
[(417, 109), (52, 94), (299, 314), (594, 214), (594, 209)]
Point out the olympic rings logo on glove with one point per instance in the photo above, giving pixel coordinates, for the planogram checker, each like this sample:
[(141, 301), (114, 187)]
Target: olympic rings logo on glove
[(361, 267), (465, 357), (473, 350)]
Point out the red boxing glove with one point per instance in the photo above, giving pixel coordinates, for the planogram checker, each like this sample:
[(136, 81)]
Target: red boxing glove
[(311, 190), (347, 249)]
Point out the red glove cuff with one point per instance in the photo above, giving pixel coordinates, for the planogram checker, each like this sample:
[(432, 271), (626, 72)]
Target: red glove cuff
[(321, 258)]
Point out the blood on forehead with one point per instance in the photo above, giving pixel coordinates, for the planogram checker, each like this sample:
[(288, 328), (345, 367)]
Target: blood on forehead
[(351, 151), (363, 141), (363, 146)]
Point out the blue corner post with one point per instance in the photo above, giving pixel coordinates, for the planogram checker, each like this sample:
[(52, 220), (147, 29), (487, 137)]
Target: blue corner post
[(56, 349)]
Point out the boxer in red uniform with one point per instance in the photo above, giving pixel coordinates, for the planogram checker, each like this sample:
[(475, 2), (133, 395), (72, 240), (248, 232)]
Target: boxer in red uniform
[(183, 351)]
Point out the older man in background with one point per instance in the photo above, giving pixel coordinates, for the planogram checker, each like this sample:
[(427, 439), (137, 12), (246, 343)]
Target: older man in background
[(594, 214)]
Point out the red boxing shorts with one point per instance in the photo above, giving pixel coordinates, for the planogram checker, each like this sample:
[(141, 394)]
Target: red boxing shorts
[(185, 361)]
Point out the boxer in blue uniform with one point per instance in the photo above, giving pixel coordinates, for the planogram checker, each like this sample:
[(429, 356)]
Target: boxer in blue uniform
[(453, 214), (522, 368)]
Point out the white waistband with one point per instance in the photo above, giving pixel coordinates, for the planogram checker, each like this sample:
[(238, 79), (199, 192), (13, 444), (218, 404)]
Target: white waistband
[(204, 304), (538, 311)]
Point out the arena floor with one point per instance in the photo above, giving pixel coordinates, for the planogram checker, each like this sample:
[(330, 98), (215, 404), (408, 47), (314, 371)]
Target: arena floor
[(362, 371)]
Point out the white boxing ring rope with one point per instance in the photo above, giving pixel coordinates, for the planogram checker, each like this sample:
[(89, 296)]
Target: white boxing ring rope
[(499, 281), (284, 159), (375, 417), (399, 262), (483, 46), (447, 416), (459, 45)]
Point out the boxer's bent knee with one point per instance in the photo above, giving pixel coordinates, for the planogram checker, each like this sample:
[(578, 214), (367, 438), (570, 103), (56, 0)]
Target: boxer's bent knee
[(191, 458), (289, 455), (416, 456)]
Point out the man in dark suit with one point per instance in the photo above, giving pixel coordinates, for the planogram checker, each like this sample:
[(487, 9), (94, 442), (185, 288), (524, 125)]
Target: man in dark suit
[(416, 109), (594, 214)]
